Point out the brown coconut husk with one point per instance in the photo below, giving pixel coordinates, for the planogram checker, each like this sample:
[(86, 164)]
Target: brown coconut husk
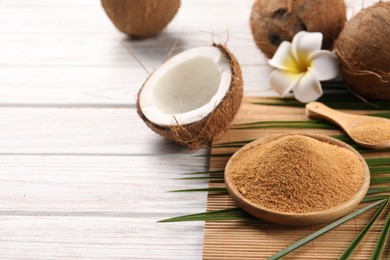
[(140, 18), (275, 21), (199, 133), (363, 49)]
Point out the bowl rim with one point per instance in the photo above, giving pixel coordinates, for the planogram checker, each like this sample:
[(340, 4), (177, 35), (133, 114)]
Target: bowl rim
[(290, 218)]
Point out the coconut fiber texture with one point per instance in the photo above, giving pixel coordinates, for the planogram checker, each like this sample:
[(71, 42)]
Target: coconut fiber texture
[(141, 18), (275, 21), (196, 134), (363, 49)]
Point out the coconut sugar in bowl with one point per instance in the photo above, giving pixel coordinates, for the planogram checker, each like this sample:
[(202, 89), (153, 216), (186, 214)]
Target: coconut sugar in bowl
[(297, 180)]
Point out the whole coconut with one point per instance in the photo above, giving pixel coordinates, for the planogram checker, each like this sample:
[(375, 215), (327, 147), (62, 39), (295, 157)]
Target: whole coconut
[(363, 48), (141, 18), (275, 21)]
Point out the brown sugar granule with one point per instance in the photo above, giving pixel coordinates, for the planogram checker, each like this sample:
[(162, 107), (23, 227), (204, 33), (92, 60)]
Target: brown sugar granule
[(297, 174), (372, 133)]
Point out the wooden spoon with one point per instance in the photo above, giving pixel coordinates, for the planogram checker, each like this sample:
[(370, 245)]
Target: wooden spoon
[(296, 219), (346, 121)]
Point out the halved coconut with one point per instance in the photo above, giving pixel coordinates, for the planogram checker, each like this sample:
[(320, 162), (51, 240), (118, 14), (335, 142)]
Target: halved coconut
[(193, 96)]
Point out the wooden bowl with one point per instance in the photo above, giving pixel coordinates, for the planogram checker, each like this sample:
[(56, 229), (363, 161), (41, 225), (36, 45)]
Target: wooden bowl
[(297, 219)]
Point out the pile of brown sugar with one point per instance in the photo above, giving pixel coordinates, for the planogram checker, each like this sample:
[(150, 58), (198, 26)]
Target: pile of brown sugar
[(372, 133), (297, 174)]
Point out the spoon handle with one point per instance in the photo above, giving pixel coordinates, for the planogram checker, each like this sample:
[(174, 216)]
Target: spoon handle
[(317, 110)]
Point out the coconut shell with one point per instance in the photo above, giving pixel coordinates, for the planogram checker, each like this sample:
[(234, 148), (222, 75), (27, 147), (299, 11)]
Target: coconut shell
[(363, 48), (275, 21), (199, 133), (141, 18)]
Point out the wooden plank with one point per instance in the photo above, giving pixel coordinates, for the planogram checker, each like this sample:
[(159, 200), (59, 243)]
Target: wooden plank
[(112, 131), (48, 237), (70, 85), (109, 50), (54, 19), (94, 86), (100, 185)]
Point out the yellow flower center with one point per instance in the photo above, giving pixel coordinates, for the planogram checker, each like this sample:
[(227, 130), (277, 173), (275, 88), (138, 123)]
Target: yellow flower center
[(299, 66)]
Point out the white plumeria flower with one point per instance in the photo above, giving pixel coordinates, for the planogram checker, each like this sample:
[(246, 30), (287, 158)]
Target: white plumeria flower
[(300, 65)]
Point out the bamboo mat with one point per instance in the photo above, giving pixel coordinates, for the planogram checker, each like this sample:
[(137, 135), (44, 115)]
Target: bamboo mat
[(256, 239)]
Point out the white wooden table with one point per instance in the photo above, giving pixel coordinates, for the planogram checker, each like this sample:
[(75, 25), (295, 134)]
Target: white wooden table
[(81, 175)]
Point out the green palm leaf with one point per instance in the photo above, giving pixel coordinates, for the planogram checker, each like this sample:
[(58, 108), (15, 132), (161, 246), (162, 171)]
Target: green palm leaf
[(374, 198), (286, 124), (334, 105), (380, 245), (379, 169), (378, 190), (380, 180), (295, 126), (226, 214), (378, 161), (344, 104), (351, 248), (322, 231)]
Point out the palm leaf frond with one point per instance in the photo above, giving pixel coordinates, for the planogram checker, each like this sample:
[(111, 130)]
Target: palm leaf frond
[(380, 180), (374, 198), (285, 124), (226, 214), (378, 161), (335, 99), (378, 190), (381, 242), (379, 169), (322, 231), (351, 248)]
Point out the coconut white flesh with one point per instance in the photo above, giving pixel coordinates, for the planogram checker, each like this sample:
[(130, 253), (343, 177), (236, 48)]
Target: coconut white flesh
[(186, 88)]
